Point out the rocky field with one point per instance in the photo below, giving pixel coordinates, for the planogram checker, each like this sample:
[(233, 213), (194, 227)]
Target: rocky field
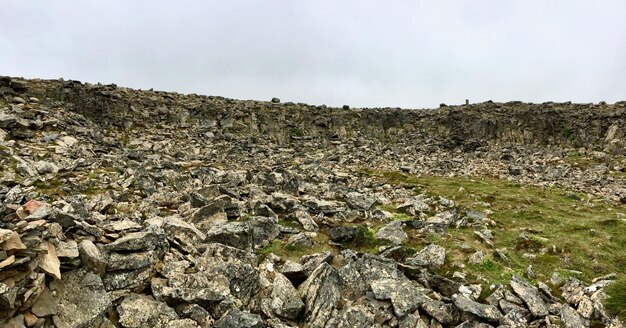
[(140, 208)]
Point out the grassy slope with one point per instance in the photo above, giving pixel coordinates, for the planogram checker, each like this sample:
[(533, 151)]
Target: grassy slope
[(567, 231)]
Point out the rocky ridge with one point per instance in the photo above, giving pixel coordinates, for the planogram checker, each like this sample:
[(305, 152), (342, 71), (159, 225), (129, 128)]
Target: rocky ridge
[(130, 208)]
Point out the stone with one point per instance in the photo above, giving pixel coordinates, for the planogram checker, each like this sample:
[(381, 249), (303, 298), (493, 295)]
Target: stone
[(320, 293), (392, 233), (34, 210), (286, 301), (67, 250), (432, 256), (81, 299), (303, 239), (49, 262), (342, 234), (483, 311), (360, 201), (137, 241), (44, 167), (46, 304), (570, 318), (91, 257), (530, 295), (446, 314), (235, 234), (138, 311), (404, 297), (10, 240), (131, 261), (293, 271), (307, 222), (238, 319), (477, 258)]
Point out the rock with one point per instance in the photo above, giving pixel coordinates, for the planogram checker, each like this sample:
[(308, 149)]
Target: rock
[(81, 299), (432, 256), (44, 167), (405, 297), (49, 262), (530, 295), (286, 301), (68, 250), (46, 304), (307, 222), (446, 314), (91, 258), (137, 241), (131, 261), (359, 201), (477, 258), (570, 318), (196, 313), (34, 210), (138, 311), (303, 239), (342, 234), (485, 312), (293, 271), (10, 240), (392, 232), (235, 234), (320, 293), (275, 100), (239, 319)]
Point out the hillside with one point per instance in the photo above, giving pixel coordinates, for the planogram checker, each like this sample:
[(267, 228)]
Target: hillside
[(141, 208)]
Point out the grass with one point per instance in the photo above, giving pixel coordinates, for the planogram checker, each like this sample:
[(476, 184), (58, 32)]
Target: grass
[(615, 304), (563, 230)]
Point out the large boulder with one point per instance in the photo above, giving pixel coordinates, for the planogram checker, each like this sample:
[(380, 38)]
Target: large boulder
[(82, 299)]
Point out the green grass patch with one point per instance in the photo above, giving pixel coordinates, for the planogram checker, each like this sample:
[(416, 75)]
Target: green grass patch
[(615, 304), (557, 229)]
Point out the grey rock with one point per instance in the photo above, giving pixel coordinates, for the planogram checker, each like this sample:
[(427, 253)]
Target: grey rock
[(235, 234), (293, 271), (432, 256), (392, 232), (239, 319), (91, 257), (404, 296), (307, 222), (486, 312), (131, 261), (195, 312), (320, 293), (286, 301), (530, 295), (570, 318), (303, 239), (446, 314), (138, 311), (81, 298), (137, 241), (359, 201)]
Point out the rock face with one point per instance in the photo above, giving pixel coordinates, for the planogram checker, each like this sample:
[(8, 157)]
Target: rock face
[(129, 208)]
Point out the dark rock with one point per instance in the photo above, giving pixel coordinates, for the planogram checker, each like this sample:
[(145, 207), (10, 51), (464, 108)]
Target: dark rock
[(342, 234)]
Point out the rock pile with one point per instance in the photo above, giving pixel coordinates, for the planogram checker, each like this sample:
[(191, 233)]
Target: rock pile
[(109, 224)]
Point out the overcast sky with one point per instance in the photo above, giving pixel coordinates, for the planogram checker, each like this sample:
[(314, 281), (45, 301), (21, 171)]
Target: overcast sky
[(413, 54)]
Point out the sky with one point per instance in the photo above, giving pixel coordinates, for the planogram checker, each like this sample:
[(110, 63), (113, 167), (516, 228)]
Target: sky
[(363, 53)]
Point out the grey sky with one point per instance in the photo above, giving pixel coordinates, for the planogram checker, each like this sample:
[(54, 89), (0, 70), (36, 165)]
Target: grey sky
[(410, 54)]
